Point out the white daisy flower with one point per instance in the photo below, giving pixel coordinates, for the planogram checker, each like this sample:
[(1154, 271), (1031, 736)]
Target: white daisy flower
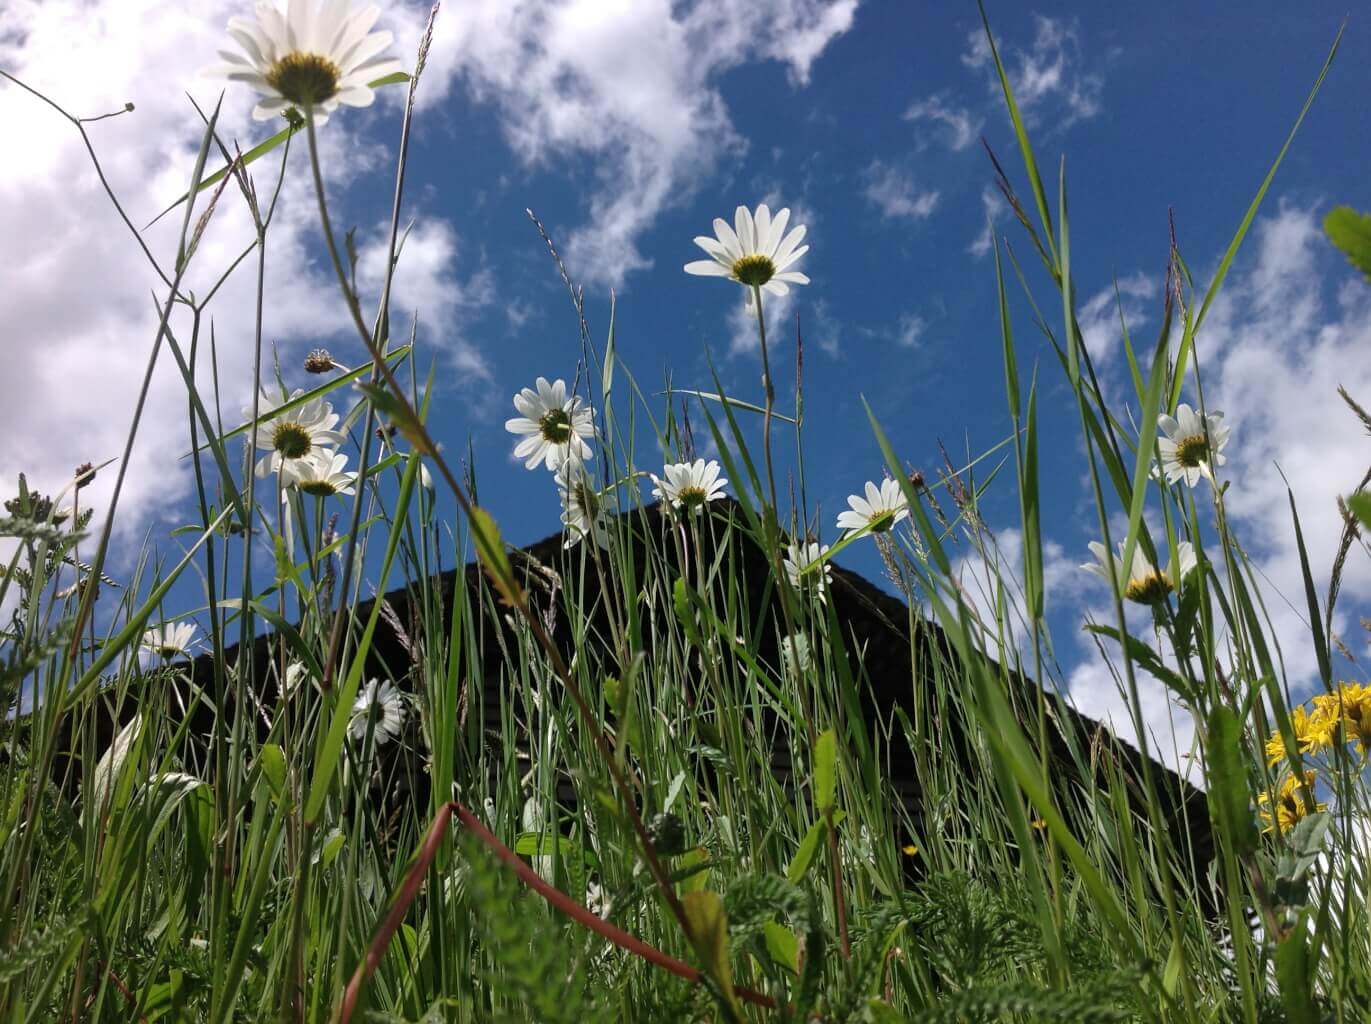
[(170, 640), (296, 673), (688, 485), (1143, 582), (796, 655), (382, 702), (321, 473), (1186, 452), (553, 425), (754, 251), (584, 506), (295, 434), (313, 55), (800, 557), (882, 508)]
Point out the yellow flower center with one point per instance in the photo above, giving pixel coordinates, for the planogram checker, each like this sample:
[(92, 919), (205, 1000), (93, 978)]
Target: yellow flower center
[(291, 440), (1192, 451), (555, 426), (755, 269), (304, 78), (318, 488), (1149, 589), (691, 497), (881, 521)]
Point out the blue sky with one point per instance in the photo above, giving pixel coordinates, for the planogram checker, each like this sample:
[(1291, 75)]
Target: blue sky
[(628, 127)]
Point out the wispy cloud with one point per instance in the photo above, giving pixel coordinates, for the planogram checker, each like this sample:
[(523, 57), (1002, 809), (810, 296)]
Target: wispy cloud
[(895, 194), (630, 84), (909, 330), (1103, 316), (1049, 76), (992, 208), (959, 126)]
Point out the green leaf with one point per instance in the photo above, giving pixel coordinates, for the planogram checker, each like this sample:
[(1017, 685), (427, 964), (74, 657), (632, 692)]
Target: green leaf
[(1294, 976), (685, 613), (273, 762), (783, 945), (490, 548), (809, 846), (708, 923), (1145, 658), (825, 771), (1350, 231), (726, 401), (1230, 801), (1360, 504), (695, 861)]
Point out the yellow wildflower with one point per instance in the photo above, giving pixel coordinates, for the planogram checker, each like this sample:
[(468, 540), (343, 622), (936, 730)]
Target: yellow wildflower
[(1283, 810), (1349, 706), (1312, 732)]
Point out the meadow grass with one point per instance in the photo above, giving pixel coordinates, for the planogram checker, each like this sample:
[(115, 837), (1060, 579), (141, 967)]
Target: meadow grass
[(264, 869)]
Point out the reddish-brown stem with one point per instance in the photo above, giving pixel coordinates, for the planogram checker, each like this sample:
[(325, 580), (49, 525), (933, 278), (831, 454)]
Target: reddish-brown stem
[(123, 989), (414, 879)]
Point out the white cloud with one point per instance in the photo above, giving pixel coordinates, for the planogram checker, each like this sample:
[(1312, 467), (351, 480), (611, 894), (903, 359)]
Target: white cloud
[(909, 329), (1277, 343), (992, 207), (825, 330), (895, 194), (1048, 74), (82, 297), (1273, 351), (779, 311), (960, 126), (1098, 317), (631, 84), (429, 289)]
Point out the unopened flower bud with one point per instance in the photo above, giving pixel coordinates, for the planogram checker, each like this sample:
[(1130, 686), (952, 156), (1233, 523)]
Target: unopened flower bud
[(318, 361)]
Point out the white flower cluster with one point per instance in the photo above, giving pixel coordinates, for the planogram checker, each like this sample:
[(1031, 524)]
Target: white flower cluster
[(298, 440)]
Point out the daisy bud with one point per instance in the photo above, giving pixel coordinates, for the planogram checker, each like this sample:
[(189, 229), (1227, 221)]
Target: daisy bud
[(318, 361)]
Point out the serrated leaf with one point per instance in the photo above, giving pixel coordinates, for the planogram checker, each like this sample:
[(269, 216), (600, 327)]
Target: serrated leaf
[(1230, 801), (1350, 231), (1294, 977)]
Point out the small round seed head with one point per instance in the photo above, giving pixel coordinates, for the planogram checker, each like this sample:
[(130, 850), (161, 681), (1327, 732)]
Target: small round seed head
[(916, 480), (318, 361), (85, 475), (668, 834)]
